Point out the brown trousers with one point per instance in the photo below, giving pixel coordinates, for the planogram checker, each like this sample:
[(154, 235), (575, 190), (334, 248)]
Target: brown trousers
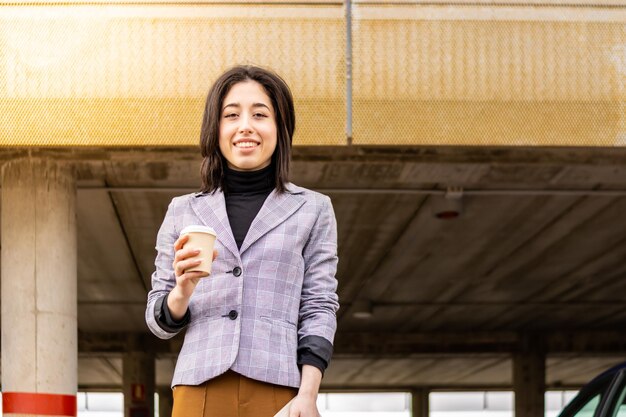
[(230, 395)]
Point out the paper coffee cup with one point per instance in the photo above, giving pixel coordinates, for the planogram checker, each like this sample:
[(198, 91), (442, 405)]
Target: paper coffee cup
[(203, 238)]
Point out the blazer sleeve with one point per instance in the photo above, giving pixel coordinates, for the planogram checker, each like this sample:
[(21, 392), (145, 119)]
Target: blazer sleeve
[(163, 278), (319, 301)]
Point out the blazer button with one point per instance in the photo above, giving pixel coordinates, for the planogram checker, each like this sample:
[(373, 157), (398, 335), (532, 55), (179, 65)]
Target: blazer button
[(237, 271), (233, 314)]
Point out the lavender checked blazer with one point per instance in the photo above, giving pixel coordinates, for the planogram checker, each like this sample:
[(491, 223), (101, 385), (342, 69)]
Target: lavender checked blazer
[(285, 290)]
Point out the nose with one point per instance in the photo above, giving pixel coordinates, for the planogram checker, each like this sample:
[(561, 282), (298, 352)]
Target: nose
[(245, 126)]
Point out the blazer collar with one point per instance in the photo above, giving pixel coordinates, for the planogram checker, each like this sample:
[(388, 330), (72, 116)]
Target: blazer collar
[(278, 207), (211, 210), (294, 189)]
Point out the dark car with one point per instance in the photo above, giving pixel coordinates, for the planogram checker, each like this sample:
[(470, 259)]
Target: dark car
[(604, 396)]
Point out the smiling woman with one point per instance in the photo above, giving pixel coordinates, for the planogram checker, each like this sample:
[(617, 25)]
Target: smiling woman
[(247, 127), (259, 329), (249, 121)]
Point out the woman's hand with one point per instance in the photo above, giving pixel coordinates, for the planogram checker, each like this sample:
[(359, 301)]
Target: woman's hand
[(186, 282), (305, 403), (304, 406)]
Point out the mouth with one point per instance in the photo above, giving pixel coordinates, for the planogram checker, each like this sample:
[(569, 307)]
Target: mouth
[(246, 143)]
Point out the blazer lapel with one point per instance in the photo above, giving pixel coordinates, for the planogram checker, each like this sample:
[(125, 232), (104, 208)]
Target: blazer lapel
[(211, 210), (277, 208)]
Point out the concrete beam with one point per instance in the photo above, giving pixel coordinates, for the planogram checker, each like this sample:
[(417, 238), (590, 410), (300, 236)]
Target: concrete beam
[(375, 153), (396, 344), (112, 343), (139, 383), (529, 379), (39, 287), (166, 401), (420, 402)]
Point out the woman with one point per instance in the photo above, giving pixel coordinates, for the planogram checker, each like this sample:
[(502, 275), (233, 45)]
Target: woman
[(260, 327)]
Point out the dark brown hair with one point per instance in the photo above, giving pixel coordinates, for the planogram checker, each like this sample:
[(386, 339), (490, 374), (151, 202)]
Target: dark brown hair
[(213, 162)]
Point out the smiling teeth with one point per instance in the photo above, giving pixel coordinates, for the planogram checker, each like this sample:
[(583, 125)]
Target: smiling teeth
[(246, 144)]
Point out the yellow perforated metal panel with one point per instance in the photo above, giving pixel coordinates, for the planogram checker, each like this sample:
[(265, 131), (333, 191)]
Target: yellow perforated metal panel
[(463, 73), (131, 75), (550, 78)]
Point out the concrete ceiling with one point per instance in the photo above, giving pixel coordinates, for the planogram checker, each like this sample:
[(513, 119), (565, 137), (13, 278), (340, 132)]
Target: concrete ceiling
[(538, 249)]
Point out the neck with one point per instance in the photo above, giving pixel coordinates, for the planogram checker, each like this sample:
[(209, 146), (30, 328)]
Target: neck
[(238, 182)]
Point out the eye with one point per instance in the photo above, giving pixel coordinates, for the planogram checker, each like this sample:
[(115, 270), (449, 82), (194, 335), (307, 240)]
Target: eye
[(230, 115), (260, 115)]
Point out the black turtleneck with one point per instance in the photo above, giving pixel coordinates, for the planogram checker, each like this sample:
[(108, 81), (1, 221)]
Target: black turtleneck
[(245, 192)]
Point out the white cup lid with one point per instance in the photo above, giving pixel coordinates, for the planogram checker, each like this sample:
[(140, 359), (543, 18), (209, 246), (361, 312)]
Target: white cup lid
[(198, 229)]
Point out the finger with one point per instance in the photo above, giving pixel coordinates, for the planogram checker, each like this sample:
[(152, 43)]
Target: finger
[(294, 411), (181, 266), (214, 254), (180, 242), (185, 253), (199, 274), (193, 275)]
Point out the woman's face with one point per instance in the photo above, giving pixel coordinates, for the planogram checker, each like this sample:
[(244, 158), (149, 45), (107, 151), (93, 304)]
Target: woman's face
[(247, 127)]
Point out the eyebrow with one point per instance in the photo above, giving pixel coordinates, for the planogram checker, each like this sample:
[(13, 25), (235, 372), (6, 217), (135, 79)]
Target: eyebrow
[(239, 105)]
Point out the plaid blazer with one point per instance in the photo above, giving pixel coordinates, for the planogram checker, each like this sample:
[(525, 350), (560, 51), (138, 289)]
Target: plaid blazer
[(286, 291)]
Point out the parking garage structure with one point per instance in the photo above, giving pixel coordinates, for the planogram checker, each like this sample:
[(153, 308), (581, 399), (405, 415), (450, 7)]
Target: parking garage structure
[(508, 118)]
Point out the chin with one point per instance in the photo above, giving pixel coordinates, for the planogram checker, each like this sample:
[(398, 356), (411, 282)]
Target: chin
[(245, 166)]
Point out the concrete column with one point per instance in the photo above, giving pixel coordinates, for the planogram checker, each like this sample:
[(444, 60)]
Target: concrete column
[(39, 288), (529, 375), (139, 383), (419, 404), (166, 401)]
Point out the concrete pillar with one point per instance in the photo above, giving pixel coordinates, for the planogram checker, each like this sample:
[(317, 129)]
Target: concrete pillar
[(139, 382), (166, 402), (529, 375), (39, 288), (419, 404)]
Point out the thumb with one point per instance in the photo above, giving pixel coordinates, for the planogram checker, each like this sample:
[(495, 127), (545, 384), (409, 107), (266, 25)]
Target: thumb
[(293, 411)]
